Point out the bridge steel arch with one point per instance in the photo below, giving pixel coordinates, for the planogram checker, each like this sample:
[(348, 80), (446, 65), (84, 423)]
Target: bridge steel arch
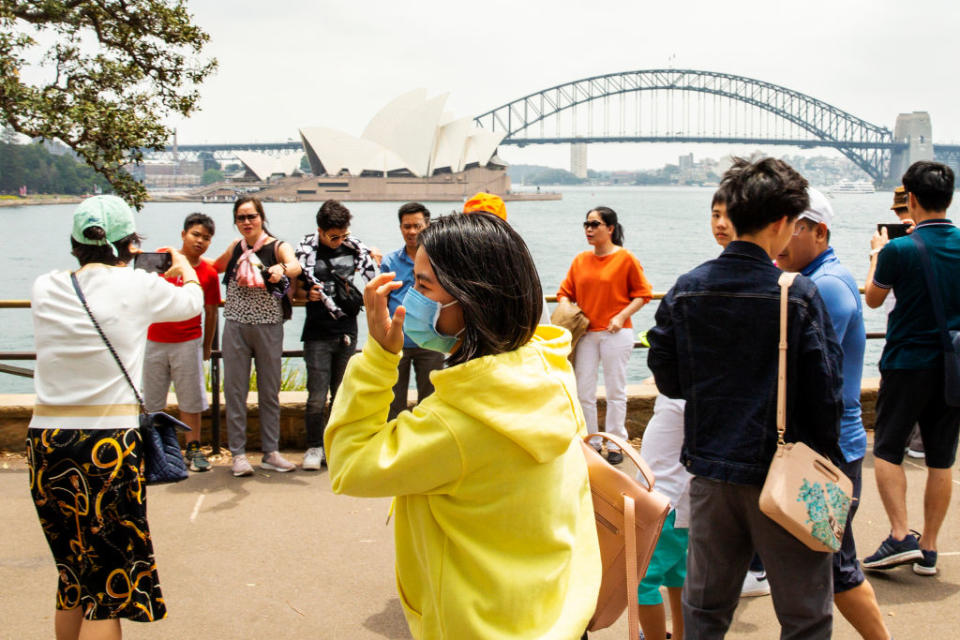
[(866, 144)]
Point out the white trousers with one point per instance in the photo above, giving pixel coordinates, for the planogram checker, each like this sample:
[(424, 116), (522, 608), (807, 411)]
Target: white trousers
[(612, 350)]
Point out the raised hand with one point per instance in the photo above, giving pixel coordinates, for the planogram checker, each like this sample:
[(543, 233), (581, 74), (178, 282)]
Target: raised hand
[(387, 331)]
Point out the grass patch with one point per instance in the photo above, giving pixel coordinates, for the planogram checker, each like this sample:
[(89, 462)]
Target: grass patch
[(292, 376)]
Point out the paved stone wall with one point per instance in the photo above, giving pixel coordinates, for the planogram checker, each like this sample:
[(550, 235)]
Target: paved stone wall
[(15, 411)]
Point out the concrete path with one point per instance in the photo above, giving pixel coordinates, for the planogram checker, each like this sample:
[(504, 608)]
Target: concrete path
[(279, 556)]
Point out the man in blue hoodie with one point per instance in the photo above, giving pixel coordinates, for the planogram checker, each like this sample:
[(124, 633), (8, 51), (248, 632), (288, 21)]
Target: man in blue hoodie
[(715, 346)]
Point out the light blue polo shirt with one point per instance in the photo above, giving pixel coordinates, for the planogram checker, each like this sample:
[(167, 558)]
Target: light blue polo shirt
[(402, 264), (841, 296)]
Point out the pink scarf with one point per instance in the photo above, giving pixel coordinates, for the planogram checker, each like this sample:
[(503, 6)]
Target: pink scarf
[(247, 274)]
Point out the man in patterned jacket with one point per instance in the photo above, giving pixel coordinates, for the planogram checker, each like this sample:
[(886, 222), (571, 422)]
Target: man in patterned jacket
[(329, 332)]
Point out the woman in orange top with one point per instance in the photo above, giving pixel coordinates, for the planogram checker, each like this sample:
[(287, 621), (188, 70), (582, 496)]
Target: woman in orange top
[(609, 286)]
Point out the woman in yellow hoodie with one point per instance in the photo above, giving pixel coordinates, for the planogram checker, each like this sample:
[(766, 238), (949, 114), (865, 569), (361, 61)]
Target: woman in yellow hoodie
[(495, 533)]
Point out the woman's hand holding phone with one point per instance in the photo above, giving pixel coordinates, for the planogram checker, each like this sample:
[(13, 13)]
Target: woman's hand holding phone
[(387, 331), (180, 267)]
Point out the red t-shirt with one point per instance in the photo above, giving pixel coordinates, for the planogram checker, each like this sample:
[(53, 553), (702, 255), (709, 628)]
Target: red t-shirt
[(603, 286), (188, 329)]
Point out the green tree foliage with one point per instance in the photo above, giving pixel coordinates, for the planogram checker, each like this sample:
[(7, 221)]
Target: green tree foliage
[(31, 165), (114, 71), (212, 175)]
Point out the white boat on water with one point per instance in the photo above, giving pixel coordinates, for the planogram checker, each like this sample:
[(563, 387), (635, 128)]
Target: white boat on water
[(851, 186)]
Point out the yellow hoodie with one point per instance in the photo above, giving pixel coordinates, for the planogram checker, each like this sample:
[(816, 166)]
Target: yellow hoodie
[(495, 533)]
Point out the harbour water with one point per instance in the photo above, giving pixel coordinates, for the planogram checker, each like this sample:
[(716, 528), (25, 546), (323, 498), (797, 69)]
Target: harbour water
[(667, 228)]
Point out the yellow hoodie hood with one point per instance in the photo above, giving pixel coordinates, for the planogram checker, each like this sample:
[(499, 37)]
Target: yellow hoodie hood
[(546, 416), (494, 528)]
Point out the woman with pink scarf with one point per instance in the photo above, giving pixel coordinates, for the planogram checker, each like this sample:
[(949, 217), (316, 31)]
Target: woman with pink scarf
[(255, 269)]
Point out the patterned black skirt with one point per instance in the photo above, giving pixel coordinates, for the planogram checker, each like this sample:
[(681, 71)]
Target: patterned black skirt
[(90, 496)]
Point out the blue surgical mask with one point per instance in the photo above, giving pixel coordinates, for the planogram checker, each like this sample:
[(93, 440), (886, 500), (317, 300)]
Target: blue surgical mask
[(420, 323)]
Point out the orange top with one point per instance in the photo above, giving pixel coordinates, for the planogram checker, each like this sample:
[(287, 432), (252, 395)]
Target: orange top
[(603, 286)]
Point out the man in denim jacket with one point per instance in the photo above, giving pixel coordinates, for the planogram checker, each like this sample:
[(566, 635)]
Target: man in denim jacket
[(715, 345)]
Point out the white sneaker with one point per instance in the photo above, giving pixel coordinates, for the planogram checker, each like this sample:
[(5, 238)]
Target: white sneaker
[(241, 466), (313, 459), (755, 584), (273, 461)]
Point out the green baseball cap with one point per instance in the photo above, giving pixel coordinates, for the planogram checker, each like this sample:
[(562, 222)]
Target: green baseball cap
[(110, 213)]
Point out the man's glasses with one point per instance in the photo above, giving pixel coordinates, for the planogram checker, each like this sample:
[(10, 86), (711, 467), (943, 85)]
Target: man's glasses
[(591, 224), (334, 238), (247, 217)]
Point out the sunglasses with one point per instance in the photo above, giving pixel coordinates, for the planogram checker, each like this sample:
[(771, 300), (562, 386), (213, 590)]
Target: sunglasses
[(246, 217), (334, 238), (592, 224)]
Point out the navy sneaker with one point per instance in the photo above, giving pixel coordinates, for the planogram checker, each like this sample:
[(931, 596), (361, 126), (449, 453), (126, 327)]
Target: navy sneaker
[(893, 552), (614, 456), (927, 566)]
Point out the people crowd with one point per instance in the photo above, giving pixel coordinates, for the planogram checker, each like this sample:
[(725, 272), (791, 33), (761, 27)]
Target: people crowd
[(494, 524)]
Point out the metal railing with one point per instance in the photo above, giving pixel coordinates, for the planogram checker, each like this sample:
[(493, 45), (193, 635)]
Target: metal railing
[(215, 357)]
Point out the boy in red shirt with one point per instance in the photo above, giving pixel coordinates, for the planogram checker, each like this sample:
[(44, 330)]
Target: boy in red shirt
[(176, 350)]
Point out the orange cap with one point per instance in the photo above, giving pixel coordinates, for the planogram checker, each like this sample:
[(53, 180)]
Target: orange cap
[(488, 203)]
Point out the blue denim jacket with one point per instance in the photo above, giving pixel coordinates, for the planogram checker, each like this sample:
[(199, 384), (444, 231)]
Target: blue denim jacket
[(715, 346)]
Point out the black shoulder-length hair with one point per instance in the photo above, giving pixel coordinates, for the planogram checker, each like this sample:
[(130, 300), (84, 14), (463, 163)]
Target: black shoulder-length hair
[(486, 266)]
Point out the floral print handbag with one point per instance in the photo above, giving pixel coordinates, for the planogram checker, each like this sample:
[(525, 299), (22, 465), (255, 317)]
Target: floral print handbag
[(804, 492)]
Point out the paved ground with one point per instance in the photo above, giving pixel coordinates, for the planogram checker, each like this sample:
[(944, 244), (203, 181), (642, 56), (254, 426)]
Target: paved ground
[(279, 555)]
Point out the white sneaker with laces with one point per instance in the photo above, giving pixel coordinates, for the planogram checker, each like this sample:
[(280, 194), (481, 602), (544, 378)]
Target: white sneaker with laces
[(313, 458), (755, 584), (273, 461), (241, 466)]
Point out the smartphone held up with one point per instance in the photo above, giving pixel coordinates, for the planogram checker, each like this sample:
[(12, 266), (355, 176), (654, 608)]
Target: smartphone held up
[(153, 262), (894, 230)]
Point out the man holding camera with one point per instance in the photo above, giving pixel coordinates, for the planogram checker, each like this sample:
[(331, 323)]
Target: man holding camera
[(174, 350), (329, 259), (911, 368)]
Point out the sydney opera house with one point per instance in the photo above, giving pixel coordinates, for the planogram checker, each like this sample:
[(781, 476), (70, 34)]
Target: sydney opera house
[(411, 150)]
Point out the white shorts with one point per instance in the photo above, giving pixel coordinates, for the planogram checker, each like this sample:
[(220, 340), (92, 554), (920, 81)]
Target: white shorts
[(181, 362)]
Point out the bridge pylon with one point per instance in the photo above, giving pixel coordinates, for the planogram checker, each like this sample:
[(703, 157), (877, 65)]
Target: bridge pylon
[(916, 131)]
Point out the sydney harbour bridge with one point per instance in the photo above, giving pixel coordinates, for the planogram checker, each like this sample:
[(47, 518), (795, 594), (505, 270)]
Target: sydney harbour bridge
[(690, 106)]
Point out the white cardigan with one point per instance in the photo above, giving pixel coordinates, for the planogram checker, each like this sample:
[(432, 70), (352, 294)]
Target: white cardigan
[(78, 383)]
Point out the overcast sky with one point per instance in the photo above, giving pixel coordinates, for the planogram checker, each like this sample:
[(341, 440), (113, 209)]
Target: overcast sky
[(293, 63)]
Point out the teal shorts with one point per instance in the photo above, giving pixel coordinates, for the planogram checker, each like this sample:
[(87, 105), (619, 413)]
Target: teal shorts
[(668, 567)]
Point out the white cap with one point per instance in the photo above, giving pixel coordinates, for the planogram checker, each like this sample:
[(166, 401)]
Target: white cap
[(819, 209)]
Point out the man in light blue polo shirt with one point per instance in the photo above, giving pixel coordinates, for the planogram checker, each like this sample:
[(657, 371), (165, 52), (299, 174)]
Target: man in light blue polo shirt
[(414, 218), (810, 253)]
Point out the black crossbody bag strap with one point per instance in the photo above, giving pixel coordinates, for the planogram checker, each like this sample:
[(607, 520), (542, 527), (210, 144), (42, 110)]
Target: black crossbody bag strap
[(83, 300), (934, 292)]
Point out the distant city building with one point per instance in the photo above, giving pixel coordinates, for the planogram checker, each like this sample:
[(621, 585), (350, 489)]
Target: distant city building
[(685, 162), (182, 174), (578, 159)]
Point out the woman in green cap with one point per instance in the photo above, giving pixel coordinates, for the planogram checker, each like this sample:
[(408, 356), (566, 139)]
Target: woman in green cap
[(83, 444)]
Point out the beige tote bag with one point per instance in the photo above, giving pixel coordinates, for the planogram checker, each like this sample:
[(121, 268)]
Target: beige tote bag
[(569, 316), (629, 519), (804, 493)]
